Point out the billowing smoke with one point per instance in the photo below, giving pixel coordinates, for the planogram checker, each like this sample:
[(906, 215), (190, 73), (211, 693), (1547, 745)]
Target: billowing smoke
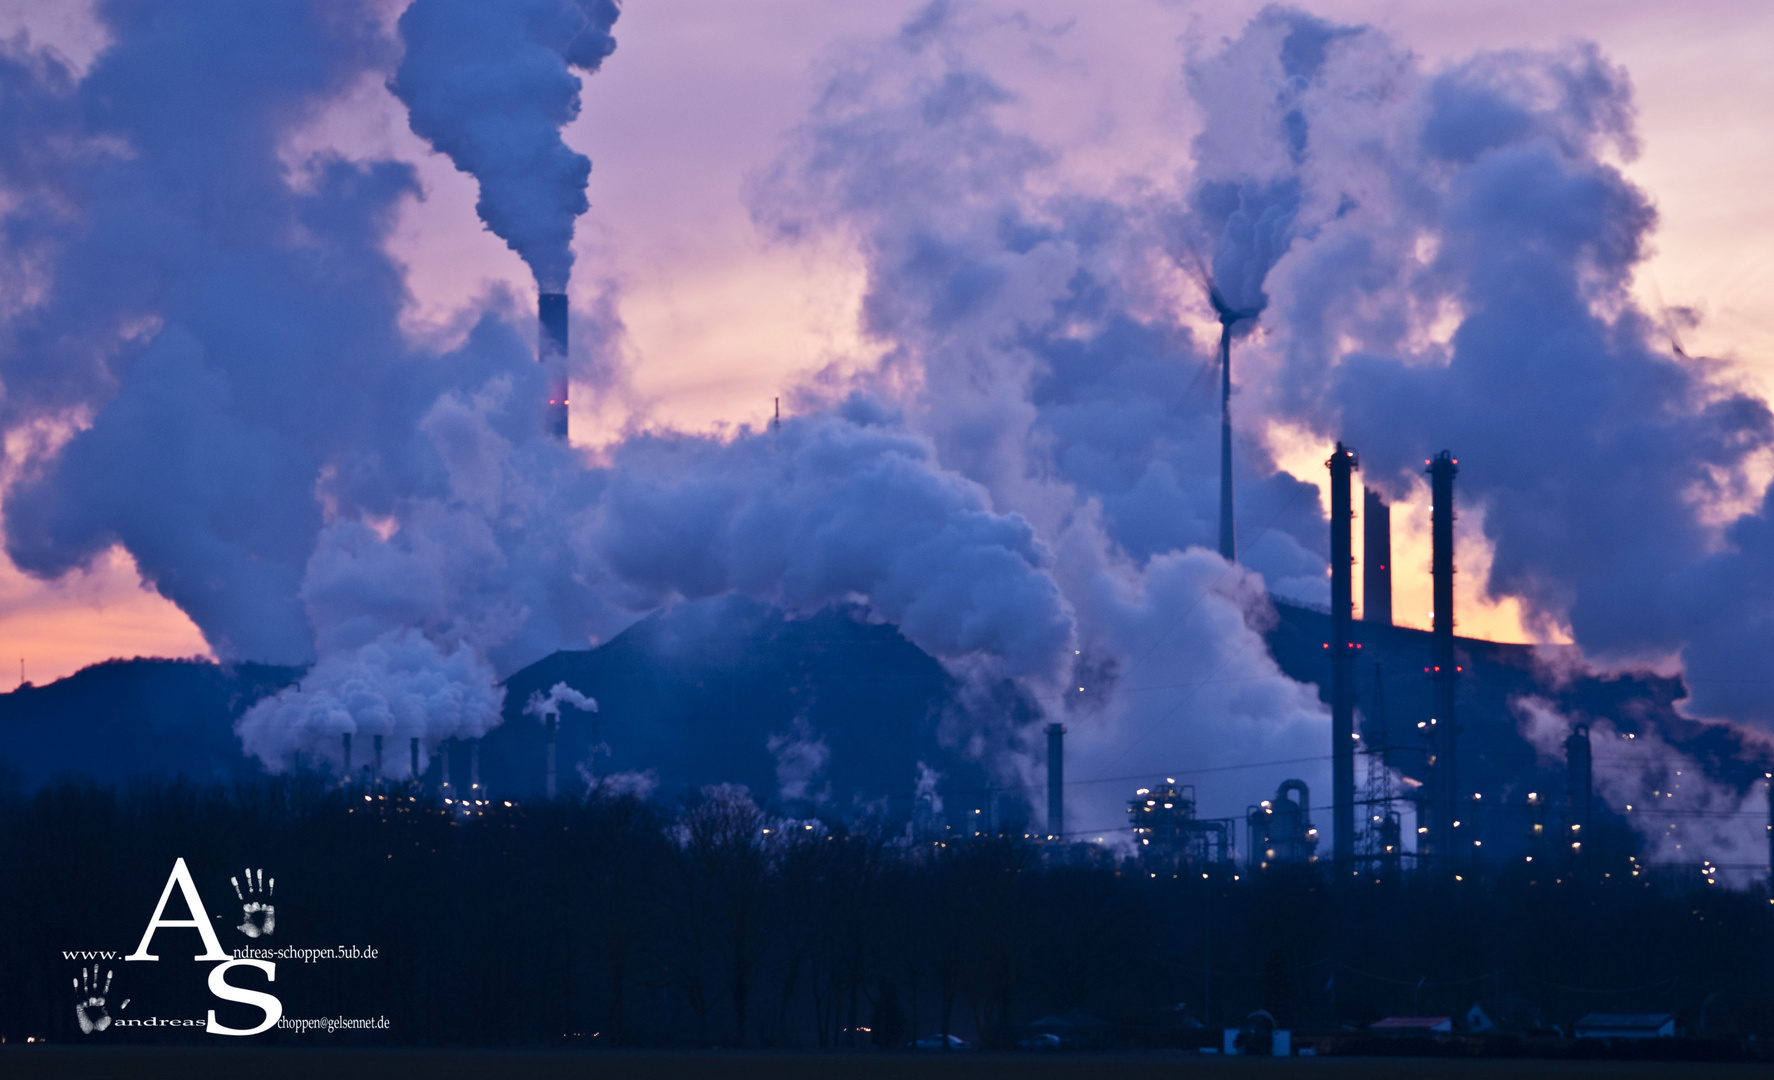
[(801, 755), (924, 790), (1458, 276), (223, 347), (547, 707), (1024, 485), (1683, 814), (201, 328), (523, 555), (401, 686), (1246, 192), (1044, 366), (491, 86)]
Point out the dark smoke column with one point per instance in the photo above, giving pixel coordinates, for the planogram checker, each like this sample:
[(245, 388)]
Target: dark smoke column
[(552, 352), (1342, 464), (1443, 776), (491, 85)]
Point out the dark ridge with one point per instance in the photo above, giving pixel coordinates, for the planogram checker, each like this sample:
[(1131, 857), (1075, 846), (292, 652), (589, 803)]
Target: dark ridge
[(697, 694), (131, 718)]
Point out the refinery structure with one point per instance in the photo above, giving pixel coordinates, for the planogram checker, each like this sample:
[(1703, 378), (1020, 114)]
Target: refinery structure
[(1400, 799)]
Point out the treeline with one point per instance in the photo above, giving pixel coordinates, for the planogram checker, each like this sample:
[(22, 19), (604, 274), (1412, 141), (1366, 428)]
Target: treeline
[(713, 922)]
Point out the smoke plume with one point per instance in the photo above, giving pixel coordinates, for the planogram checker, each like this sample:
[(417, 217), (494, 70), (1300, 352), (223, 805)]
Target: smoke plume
[(491, 86), (1024, 485), (547, 707), (1458, 276), (400, 686)]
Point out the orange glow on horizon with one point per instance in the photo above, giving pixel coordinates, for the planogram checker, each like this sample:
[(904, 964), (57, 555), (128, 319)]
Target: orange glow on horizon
[(85, 617)]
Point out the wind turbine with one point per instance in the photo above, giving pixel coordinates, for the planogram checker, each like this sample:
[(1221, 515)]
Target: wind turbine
[(1229, 317)]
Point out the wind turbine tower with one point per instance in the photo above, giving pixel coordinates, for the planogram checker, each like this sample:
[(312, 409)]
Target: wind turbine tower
[(1229, 317)]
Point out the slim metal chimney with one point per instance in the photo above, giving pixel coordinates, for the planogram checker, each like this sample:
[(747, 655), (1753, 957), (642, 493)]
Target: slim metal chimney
[(1443, 671), (1376, 559), (443, 762), (377, 775), (474, 768), (1343, 464), (549, 782), (346, 774), (1579, 795), (1056, 781), (1228, 539), (552, 352), (415, 757), (1770, 779)]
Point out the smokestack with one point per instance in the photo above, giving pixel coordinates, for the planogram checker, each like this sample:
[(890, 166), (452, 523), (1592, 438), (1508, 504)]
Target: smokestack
[(1770, 779), (1578, 794), (1342, 465), (377, 742), (415, 758), (474, 768), (347, 771), (1228, 541), (1443, 774), (548, 784), (1056, 780), (443, 762), (552, 352), (1376, 567)]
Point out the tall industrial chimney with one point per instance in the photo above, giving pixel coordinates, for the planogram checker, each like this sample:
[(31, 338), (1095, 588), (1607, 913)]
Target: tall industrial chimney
[(552, 352), (1770, 779), (1228, 539), (1376, 559), (1342, 465), (1579, 798), (415, 759), (474, 768), (1056, 781), (1443, 773), (376, 777), (346, 773), (443, 761)]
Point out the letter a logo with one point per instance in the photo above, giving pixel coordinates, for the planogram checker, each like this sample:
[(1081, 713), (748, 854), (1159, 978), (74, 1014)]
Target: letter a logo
[(199, 918)]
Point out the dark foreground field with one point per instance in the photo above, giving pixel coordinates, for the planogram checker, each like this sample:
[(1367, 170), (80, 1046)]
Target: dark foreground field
[(88, 1063)]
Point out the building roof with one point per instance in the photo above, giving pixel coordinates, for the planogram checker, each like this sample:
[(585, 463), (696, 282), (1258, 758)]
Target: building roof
[(1624, 1023)]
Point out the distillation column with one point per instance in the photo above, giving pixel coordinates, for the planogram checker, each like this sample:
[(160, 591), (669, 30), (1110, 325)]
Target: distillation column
[(1342, 464), (1444, 775)]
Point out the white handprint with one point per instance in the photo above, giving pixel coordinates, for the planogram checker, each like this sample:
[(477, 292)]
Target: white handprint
[(257, 916), (89, 1000)]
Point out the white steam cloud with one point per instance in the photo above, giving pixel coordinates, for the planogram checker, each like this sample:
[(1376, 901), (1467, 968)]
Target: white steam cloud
[(546, 707), (1024, 485), (1682, 815), (401, 686)]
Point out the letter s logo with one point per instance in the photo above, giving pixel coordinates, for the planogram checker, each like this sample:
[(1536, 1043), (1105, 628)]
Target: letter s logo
[(219, 986)]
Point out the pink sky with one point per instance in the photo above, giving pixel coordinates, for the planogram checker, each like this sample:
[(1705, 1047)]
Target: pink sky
[(701, 93)]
